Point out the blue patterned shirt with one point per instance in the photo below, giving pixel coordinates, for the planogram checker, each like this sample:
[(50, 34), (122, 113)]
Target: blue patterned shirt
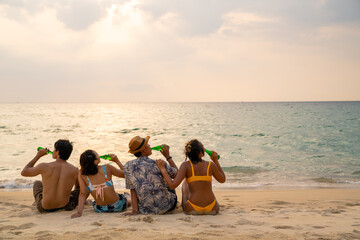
[(144, 176)]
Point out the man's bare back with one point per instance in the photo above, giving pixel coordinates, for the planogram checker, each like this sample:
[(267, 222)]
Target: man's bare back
[(58, 178)]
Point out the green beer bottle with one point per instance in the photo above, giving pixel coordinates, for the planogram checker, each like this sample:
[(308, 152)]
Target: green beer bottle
[(209, 152), (157, 148), (106, 157), (48, 152)]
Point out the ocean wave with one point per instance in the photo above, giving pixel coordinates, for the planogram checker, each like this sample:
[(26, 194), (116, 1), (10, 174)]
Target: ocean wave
[(243, 170), (22, 184), (126, 130), (324, 180), (352, 182), (236, 135), (318, 156), (258, 135), (334, 181), (17, 183)]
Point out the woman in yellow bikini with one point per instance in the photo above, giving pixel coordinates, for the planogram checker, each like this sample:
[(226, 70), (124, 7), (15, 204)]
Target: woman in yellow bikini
[(197, 194)]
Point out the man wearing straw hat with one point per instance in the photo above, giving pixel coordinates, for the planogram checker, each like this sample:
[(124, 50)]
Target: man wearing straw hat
[(149, 191)]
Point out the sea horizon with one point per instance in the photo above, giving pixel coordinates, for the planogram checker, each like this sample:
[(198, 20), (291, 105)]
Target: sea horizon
[(261, 144), (89, 102)]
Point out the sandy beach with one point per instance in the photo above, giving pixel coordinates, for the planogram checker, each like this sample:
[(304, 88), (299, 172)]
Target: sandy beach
[(256, 214)]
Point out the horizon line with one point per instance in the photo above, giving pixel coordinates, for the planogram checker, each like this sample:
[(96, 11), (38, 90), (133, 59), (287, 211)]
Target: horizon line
[(307, 101)]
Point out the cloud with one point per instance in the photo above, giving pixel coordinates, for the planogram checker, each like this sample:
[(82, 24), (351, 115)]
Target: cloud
[(177, 51), (74, 14), (197, 17), (80, 14), (243, 23), (205, 17), (242, 18), (30, 7), (342, 11)]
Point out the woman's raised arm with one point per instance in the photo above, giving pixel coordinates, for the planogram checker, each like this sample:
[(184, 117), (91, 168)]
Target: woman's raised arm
[(179, 176)]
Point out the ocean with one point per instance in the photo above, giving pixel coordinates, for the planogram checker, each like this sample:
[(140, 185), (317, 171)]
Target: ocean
[(262, 145)]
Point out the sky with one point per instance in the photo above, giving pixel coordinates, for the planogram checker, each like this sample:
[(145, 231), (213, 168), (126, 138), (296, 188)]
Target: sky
[(179, 50)]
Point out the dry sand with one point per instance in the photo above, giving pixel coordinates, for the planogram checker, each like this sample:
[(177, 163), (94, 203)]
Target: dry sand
[(259, 214)]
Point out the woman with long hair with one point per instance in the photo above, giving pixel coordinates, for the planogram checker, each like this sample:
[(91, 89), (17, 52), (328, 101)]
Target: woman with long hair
[(97, 180)]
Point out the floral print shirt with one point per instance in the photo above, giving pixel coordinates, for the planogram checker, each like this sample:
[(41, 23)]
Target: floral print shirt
[(144, 176)]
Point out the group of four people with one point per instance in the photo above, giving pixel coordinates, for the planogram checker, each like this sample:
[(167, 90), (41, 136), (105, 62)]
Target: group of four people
[(151, 182)]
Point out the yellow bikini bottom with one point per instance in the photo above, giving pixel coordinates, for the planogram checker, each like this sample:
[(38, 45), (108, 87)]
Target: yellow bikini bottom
[(208, 208)]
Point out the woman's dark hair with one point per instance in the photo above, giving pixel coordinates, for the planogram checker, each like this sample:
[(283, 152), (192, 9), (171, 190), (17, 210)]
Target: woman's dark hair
[(192, 150), (87, 164), (138, 154)]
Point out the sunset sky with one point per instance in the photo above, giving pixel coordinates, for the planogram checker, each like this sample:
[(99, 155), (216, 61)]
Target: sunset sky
[(179, 51)]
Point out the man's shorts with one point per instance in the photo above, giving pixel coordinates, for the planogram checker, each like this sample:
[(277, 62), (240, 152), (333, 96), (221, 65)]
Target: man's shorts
[(38, 195)]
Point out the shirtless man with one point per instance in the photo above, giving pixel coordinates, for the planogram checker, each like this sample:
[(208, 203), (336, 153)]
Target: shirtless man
[(58, 178)]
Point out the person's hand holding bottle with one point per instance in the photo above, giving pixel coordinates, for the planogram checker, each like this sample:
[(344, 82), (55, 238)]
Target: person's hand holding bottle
[(42, 152), (114, 158), (214, 156), (165, 151)]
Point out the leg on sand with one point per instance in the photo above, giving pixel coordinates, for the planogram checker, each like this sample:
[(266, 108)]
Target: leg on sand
[(37, 193), (185, 197)]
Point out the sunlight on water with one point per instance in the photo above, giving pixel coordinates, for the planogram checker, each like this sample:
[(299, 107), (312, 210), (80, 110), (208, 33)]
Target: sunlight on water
[(261, 144)]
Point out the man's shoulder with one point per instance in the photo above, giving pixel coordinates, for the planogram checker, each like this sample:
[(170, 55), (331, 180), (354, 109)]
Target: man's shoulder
[(128, 163), (133, 162), (73, 168), (43, 167), (48, 165), (60, 166), (67, 164), (71, 165), (139, 163)]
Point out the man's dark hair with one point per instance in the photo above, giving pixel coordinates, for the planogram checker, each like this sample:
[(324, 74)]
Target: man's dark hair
[(64, 147), (138, 154)]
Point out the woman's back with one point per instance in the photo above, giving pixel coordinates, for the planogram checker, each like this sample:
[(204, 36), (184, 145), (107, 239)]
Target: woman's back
[(199, 178), (101, 187)]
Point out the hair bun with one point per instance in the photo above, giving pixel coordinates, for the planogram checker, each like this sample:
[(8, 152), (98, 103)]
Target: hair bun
[(188, 147)]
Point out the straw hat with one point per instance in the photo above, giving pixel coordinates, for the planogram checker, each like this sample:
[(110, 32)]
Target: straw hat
[(137, 144)]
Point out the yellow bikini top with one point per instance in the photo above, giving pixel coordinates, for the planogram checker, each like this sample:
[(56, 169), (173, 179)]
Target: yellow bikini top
[(194, 178)]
